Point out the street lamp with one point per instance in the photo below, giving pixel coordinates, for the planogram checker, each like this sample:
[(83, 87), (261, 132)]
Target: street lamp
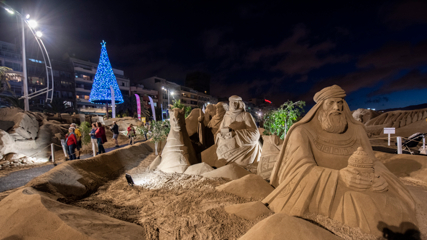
[(32, 24)]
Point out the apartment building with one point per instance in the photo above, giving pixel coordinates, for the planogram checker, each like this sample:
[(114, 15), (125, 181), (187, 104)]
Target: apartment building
[(144, 93)]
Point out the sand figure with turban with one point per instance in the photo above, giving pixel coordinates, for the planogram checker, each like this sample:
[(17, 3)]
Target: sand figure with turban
[(327, 167), (238, 135)]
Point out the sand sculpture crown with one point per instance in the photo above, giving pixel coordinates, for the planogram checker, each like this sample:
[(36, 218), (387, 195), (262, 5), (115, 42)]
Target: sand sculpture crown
[(360, 159), (334, 91)]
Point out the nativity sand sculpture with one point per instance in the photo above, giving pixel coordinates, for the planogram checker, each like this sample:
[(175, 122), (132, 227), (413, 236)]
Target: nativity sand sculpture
[(237, 137), (206, 137), (221, 109), (178, 152), (327, 166)]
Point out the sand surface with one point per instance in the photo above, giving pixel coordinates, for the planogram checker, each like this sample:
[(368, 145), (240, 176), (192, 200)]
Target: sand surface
[(170, 206)]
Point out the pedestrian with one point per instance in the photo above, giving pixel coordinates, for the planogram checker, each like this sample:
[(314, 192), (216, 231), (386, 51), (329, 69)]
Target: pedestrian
[(115, 129), (93, 139), (71, 143), (131, 134), (78, 137), (99, 134)]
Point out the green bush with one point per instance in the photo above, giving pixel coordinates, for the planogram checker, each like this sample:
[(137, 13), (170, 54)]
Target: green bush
[(278, 122), (85, 129), (159, 130), (178, 104)]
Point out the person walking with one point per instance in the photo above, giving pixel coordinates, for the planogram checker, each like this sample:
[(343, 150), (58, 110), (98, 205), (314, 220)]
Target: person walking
[(78, 137), (99, 134), (71, 143), (115, 129), (131, 134), (93, 139)]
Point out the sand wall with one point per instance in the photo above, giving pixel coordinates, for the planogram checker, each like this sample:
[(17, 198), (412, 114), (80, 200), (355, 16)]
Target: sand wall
[(79, 178)]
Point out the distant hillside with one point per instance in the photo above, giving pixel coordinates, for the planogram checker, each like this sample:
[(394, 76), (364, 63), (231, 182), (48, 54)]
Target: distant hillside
[(412, 107)]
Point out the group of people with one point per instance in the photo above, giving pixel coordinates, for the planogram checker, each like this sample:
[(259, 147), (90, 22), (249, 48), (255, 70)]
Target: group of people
[(98, 138)]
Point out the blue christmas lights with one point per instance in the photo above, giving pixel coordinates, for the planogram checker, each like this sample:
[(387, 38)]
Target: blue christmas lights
[(105, 78)]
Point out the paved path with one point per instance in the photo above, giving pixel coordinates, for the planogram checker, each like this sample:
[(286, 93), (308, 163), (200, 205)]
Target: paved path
[(22, 177)]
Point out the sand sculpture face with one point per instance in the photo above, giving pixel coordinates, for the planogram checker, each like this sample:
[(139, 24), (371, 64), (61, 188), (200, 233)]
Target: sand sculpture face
[(331, 116), (327, 166)]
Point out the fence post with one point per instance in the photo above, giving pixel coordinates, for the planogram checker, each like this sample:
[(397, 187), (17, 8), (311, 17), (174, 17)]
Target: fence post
[(399, 145), (52, 149)]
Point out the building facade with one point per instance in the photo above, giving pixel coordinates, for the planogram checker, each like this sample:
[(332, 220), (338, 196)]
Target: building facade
[(188, 96), (144, 93)]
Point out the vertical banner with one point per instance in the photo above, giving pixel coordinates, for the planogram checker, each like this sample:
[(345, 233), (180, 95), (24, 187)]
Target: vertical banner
[(113, 103), (152, 108), (138, 106)]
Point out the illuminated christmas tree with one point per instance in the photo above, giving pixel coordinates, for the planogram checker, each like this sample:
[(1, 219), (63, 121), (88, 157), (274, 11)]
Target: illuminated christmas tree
[(104, 78)]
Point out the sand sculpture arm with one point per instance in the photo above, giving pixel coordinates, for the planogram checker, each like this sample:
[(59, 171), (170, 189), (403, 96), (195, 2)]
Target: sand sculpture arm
[(250, 134)]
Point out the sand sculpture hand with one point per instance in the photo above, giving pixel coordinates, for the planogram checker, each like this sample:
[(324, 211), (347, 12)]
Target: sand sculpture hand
[(380, 184), (353, 179)]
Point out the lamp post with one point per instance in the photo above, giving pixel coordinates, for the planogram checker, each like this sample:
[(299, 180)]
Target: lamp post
[(49, 73)]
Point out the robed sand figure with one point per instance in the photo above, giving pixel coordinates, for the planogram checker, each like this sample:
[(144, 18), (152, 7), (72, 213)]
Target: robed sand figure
[(237, 137), (327, 167)]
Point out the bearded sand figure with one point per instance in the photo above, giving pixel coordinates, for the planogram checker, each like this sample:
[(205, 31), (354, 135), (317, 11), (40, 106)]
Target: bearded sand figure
[(314, 173), (221, 109), (237, 138), (178, 152)]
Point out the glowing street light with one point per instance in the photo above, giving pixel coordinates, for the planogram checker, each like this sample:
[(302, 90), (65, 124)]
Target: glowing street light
[(27, 16), (9, 11), (32, 23), (39, 34)]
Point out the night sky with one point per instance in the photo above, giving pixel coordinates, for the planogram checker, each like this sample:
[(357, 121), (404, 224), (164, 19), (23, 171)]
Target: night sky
[(278, 50)]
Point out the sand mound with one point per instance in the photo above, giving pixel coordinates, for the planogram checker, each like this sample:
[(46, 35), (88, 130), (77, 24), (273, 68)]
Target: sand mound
[(198, 169), (281, 226), (78, 178), (249, 211), (405, 165), (231, 172), (249, 186), (28, 214), (170, 205)]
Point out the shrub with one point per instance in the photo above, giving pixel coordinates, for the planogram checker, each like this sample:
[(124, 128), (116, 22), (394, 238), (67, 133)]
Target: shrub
[(279, 121), (178, 104), (159, 130), (85, 129)]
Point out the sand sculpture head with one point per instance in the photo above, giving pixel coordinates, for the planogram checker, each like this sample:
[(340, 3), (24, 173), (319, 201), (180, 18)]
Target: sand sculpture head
[(177, 119), (221, 108), (331, 113), (210, 109), (236, 104)]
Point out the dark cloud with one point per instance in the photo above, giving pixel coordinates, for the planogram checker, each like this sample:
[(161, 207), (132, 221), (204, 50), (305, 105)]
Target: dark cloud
[(413, 80), (377, 100), (296, 55), (400, 14)]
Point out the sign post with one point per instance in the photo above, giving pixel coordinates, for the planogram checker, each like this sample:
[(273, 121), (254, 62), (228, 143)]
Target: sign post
[(389, 131)]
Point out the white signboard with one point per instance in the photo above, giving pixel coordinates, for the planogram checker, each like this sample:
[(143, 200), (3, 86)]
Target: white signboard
[(389, 130)]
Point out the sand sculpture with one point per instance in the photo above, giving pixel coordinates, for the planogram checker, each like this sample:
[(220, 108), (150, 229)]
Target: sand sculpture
[(237, 138), (314, 173), (398, 118), (215, 122), (178, 152), (191, 123), (270, 151), (206, 137), (364, 115)]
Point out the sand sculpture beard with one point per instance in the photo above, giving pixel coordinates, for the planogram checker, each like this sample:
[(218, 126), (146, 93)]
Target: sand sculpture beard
[(332, 121)]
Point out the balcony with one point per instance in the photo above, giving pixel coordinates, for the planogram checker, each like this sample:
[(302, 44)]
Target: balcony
[(82, 90), (79, 79), (93, 71)]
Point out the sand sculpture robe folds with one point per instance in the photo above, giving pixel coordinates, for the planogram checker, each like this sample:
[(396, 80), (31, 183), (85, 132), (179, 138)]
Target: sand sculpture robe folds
[(242, 149), (306, 177)]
